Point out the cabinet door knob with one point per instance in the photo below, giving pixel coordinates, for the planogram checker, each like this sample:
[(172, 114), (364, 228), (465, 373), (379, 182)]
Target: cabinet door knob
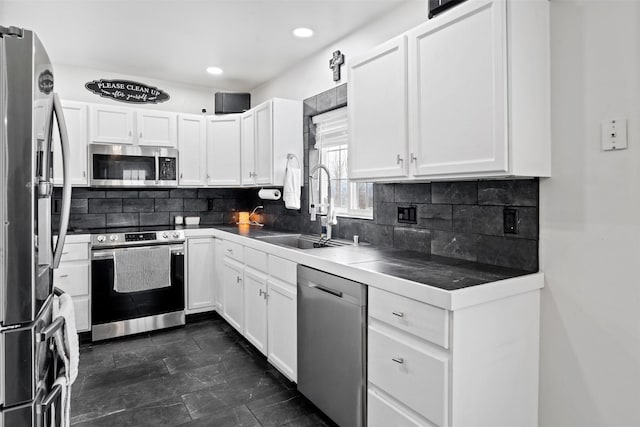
[(399, 159), (399, 360), (238, 279), (130, 133), (181, 175), (140, 134), (84, 174), (413, 158), (208, 176), (398, 313)]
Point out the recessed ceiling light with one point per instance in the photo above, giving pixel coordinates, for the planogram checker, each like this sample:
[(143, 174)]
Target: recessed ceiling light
[(214, 70), (303, 32)]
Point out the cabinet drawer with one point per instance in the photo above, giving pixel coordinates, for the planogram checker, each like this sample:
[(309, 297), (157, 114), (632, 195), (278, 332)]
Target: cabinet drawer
[(283, 269), (255, 259), (381, 413), (420, 319), (75, 252), (72, 278), (233, 250), (81, 308), (416, 377)]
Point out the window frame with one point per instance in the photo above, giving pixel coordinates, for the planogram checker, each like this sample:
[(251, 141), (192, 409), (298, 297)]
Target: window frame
[(332, 134)]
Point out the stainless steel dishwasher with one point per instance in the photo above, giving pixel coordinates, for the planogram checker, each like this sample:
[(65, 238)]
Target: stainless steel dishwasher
[(332, 345)]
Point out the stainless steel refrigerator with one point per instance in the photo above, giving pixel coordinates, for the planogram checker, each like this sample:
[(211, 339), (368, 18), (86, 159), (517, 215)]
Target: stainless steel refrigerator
[(28, 363)]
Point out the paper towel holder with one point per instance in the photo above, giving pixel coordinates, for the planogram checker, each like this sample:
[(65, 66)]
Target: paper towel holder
[(269, 194)]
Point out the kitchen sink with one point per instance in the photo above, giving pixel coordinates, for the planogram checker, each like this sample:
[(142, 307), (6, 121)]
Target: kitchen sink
[(302, 241)]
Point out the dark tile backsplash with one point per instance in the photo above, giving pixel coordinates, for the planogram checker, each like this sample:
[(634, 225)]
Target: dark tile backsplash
[(462, 219), (98, 209)]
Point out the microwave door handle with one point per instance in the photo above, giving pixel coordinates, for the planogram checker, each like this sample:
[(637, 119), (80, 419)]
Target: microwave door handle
[(66, 176), (157, 168)]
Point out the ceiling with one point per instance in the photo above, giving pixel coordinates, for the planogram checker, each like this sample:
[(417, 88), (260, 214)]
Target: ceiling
[(177, 40)]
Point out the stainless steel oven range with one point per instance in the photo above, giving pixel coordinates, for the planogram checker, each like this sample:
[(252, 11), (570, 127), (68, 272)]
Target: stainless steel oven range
[(137, 282)]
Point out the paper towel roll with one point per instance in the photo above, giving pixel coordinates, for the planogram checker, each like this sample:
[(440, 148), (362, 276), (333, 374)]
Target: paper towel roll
[(269, 194)]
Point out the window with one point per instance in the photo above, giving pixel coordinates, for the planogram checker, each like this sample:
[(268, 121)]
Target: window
[(353, 199)]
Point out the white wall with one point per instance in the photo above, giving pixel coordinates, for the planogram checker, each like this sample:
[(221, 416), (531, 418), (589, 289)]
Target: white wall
[(70, 81), (590, 221), (313, 75)]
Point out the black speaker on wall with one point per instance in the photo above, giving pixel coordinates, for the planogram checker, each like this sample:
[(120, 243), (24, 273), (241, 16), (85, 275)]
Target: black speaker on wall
[(232, 102)]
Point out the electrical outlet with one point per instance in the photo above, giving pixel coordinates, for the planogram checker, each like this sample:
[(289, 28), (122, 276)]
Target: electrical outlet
[(407, 214), (510, 220)]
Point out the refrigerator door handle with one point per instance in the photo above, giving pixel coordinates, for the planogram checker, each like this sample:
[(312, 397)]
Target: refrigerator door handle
[(66, 176), (48, 332), (43, 409)]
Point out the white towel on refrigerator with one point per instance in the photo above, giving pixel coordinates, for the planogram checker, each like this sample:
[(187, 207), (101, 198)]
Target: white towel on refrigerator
[(291, 191)]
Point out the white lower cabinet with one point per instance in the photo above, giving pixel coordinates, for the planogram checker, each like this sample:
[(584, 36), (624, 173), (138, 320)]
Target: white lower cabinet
[(255, 308), (218, 274), (233, 293), (200, 275), (380, 412), (283, 328), (257, 297), (412, 373), (73, 276), (472, 366)]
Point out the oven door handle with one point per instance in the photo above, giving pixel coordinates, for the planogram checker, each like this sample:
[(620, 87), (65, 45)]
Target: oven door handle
[(110, 254)]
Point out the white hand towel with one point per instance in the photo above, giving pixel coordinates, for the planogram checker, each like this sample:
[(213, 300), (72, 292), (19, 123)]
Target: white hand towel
[(291, 191)]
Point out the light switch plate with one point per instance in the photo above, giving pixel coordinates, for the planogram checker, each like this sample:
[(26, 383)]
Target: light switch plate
[(614, 134)]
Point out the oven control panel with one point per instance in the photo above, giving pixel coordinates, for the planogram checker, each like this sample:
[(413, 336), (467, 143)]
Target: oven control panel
[(137, 238)]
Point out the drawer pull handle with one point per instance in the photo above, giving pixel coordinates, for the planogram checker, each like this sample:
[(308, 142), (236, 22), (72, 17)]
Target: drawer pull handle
[(63, 276), (238, 279), (398, 313), (65, 253), (399, 360), (230, 250)]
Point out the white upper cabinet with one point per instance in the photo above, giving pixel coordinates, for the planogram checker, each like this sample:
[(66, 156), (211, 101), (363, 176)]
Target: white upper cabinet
[(458, 91), (478, 91), (75, 115), (156, 128), (248, 148), (263, 144), (192, 146), (377, 108), (270, 131), (121, 125), (111, 125), (223, 150)]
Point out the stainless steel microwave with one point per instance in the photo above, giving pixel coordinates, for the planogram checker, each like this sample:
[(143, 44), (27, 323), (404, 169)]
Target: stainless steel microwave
[(133, 166)]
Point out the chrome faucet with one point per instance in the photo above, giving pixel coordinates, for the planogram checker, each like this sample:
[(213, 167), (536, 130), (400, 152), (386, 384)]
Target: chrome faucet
[(252, 222), (331, 219)]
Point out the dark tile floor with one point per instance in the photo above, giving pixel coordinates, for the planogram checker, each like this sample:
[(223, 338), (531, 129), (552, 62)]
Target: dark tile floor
[(203, 374)]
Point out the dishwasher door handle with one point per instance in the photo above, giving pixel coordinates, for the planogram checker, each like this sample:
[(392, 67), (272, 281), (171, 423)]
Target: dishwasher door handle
[(323, 289)]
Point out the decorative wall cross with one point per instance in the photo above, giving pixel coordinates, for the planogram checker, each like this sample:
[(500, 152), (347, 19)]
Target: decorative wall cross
[(336, 61)]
